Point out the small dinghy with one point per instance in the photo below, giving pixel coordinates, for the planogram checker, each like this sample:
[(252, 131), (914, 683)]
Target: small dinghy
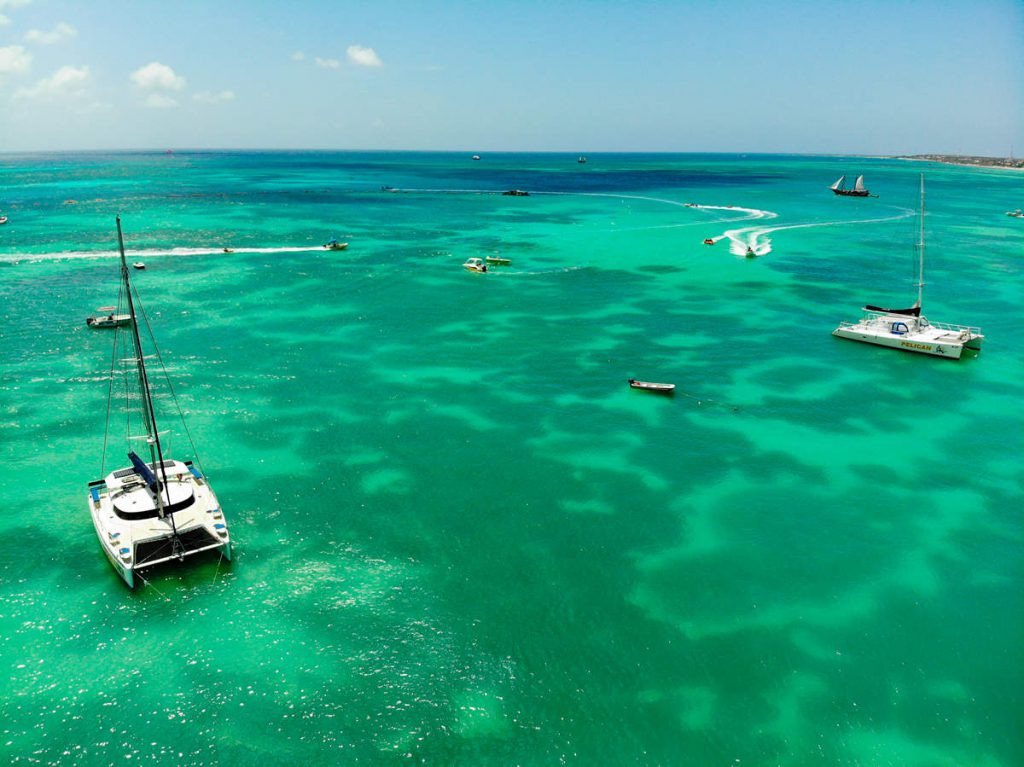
[(663, 388), (109, 320)]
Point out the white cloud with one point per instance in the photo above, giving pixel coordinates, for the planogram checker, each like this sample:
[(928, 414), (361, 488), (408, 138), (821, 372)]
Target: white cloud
[(157, 77), (65, 82), (160, 101), (4, 20), (59, 33), (14, 59), (364, 57), (206, 97), (13, 3), (298, 56), (327, 63)]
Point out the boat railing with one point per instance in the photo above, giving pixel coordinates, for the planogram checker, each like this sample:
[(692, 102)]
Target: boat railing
[(954, 327)]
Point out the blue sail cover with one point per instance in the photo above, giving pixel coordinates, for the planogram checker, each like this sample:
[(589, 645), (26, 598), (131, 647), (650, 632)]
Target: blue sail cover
[(140, 467)]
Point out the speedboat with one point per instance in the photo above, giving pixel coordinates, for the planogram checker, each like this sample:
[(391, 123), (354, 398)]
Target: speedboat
[(516, 193), (1014, 213), (475, 265), (708, 241), (500, 260), (750, 252), (138, 265), (3, 219), (335, 245)]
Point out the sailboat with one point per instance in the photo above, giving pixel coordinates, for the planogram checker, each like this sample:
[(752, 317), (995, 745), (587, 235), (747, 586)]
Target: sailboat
[(154, 511), (857, 191), (908, 329)]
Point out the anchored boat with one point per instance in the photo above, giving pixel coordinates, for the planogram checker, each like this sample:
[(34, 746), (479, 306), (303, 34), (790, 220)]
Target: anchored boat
[(908, 329), (156, 510), (661, 388)]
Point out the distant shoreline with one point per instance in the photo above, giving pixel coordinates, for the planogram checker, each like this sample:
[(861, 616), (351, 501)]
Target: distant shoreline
[(979, 162)]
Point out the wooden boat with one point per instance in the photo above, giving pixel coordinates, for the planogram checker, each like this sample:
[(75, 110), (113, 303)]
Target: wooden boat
[(335, 245), (500, 260), (858, 188), (109, 320), (475, 265), (663, 388)]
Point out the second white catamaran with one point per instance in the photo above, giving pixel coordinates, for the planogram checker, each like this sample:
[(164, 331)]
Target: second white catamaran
[(908, 329)]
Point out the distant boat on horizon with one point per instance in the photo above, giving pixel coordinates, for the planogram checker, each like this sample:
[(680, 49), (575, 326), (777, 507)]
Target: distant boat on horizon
[(859, 190)]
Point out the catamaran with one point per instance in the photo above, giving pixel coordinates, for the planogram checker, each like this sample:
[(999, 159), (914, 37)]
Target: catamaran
[(908, 329), (157, 511), (858, 188)]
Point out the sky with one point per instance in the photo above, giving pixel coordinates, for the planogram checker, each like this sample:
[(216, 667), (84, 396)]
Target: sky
[(854, 77)]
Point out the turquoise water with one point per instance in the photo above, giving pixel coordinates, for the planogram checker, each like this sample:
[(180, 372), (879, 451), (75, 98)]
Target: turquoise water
[(460, 538)]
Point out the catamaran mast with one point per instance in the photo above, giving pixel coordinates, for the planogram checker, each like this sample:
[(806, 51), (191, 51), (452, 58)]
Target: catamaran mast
[(148, 413), (920, 249)]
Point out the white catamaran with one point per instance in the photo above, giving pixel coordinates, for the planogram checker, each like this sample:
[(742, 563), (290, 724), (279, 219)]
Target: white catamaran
[(908, 329), (157, 511)]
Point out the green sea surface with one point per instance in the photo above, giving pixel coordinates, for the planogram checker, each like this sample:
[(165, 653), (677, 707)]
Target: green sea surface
[(460, 537)]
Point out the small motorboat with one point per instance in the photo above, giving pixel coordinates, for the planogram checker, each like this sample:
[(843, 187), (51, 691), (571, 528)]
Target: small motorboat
[(3, 219), (662, 388), (1013, 213), (475, 265), (750, 252), (476, 157), (516, 193), (581, 160), (335, 245), (138, 265), (109, 320), (708, 241), (499, 260), (229, 250)]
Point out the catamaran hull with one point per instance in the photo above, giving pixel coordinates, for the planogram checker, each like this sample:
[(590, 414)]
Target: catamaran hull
[(948, 350), (132, 534)]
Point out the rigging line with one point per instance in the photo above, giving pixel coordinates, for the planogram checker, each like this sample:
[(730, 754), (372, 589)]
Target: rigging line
[(217, 571), (170, 386), (150, 584), (110, 391)]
